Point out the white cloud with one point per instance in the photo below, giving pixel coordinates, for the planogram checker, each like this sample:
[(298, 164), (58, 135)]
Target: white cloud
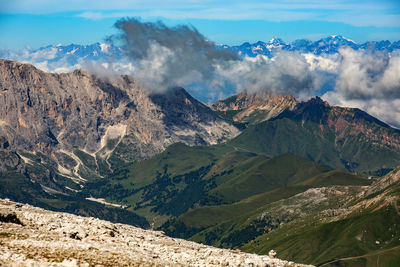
[(287, 72), (369, 81), (92, 15), (367, 75), (328, 63), (48, 54)]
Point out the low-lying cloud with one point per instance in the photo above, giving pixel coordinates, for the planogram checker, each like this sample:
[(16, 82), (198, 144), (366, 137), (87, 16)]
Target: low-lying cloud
[(286, 73)]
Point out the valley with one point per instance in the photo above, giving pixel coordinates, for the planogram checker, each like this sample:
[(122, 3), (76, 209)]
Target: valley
[(255, 172)]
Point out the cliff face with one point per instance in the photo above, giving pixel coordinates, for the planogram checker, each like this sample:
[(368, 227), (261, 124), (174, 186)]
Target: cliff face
[(77, 118)]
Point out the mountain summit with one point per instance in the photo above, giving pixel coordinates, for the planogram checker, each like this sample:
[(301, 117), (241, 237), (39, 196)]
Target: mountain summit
[(338, 137)]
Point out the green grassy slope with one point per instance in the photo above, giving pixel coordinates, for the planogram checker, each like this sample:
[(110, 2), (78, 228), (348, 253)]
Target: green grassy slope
[(335, 177), (319, 144), (318, 243), (268, 174), (169, 183), (367, 234), (233, 225), (182, 178)]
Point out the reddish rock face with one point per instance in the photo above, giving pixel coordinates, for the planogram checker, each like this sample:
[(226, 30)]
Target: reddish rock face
[(262, 106)]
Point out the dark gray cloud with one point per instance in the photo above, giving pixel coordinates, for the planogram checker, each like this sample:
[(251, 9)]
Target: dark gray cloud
[(169, 56)]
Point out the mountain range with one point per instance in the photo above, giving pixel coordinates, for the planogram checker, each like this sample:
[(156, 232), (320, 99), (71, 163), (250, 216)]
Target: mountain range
[(253, 171), (341, 138), (75, 54), (328, 45), (71, 54)]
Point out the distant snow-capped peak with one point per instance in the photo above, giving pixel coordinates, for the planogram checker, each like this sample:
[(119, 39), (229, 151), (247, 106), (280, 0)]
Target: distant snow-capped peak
[(65, 57)]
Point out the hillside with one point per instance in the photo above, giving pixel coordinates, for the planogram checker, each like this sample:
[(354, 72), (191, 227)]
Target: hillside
[(182, 178), (349, 225), (337, 137), (235, 224), (363, 229)]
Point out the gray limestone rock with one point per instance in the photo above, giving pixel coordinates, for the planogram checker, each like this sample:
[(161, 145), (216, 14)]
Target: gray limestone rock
[(77, 118)]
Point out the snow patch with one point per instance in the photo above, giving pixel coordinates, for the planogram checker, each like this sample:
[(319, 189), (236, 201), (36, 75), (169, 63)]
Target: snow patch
[(72, 52), (105, 48)]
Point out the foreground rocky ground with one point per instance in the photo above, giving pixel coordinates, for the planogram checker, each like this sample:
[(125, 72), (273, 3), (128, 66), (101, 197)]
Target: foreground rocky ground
[(31, 236)]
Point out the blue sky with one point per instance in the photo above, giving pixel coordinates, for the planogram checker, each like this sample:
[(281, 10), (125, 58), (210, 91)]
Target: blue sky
[(37, 23)]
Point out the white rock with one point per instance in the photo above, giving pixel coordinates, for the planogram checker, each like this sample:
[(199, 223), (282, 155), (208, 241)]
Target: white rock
[(45, 241)]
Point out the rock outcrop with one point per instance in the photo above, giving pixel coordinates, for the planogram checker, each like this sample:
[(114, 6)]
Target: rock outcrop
[(256, 107), (32, 236)]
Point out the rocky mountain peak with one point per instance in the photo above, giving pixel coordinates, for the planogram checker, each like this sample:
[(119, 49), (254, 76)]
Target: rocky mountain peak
[(255, 107), (317, 101), (103, 117), (346, 123), (319, 111), (315, 110)]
